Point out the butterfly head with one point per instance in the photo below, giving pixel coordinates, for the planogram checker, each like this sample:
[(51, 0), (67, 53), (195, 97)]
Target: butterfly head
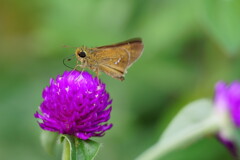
[(81, 54)]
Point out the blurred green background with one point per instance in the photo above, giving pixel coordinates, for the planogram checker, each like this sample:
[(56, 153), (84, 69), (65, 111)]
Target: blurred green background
[(189, 46)]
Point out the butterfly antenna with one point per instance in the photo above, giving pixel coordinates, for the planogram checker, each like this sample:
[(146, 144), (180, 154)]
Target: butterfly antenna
[(66, 46), (68, 59)]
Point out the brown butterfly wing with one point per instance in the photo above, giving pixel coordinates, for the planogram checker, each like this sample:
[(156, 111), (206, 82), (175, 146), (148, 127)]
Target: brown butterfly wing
[(115, 59), (113, 62), (133, 47)]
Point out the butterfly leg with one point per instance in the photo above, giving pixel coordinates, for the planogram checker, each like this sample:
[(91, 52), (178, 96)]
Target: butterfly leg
[(82, 69), (75, 67), (97, 74)]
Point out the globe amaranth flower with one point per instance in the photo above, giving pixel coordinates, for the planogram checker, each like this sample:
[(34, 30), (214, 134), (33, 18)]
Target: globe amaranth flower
[(227, 99), (75, 104)]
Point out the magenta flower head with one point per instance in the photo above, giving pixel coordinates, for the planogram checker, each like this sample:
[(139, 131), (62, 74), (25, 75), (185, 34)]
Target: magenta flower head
[(75, 104), (227, 99)]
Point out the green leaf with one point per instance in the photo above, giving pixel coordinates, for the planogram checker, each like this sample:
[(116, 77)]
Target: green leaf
[(193, 122), (77, 149), (190, 115), (48, 140)]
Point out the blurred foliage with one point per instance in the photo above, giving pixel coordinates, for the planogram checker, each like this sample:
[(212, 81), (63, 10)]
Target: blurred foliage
[(189, 46)]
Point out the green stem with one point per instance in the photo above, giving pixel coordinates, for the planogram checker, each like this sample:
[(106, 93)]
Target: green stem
[(186, 136), (66, 150)]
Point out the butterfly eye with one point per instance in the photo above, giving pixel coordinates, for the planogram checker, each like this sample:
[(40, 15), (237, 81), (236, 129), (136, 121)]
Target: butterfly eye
[(82, 54)]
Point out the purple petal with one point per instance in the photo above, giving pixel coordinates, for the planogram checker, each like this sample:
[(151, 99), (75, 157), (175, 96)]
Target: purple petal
[(75, 103)]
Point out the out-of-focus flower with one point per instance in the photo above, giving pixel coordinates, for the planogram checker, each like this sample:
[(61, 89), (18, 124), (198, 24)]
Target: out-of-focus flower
[(75, 104), (227, 100), (228, 97)]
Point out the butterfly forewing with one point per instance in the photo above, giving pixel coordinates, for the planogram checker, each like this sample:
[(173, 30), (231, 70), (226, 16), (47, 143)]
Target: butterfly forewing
[(132, 47), (125, 54), (113, 59)]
